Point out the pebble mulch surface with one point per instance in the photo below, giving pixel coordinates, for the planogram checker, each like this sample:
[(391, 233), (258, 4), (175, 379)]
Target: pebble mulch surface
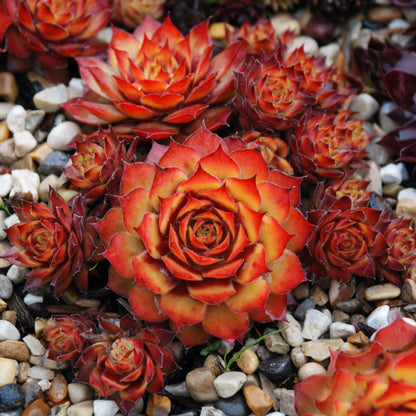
[(34, 138)]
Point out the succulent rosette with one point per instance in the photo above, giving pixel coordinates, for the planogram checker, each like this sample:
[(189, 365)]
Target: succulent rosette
[(66, 336), (98, 162), (328, 145), (130, 13), (378, 380), (205, 237), (346, 241), (53, 30), (127, 364), (156, 80), (54, 241)]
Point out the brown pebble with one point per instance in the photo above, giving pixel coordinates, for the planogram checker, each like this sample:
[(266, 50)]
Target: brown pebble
[(58, 390), (4, 131), (384, 14), (158, 405), (359, 339), (10, 316), (37, 408), (8, 87), (258, 400), (16, 350)]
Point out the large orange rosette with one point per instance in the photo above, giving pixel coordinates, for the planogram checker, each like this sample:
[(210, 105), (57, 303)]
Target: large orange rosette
[(205, 237), (378, 380), (156, 80)]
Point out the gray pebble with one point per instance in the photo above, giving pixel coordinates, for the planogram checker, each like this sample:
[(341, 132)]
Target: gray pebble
[(53, 163), (6, 287), (303, 307)]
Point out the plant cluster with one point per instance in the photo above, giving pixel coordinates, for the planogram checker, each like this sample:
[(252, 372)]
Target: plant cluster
[(204, 234)]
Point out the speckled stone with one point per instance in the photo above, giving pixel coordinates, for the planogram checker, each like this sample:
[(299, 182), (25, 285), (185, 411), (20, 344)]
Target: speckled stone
[(11, 397), (58, 390), (16, 350)]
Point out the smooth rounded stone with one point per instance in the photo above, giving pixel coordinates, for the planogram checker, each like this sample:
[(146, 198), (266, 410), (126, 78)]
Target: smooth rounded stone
[(3, 234), (341, 330), (275, 414), (16, 119), (330, 52), (384, 14), (158, 405), (62, 134), (303, 307), (37, 408), (381, 292), (286, 401), (6, 287), (3, 305), (10, 316), (215, 363), (276, 343), (33, 120), (8, 371), (32, 392), (75, 88), (105, 407), (292, 330), (200, 384), (60, 410), (58, 389), (340, 316), (301, 292), (378, 153), (24, 142), (258, 400), (391, 190), (364, 105), (17, 350), (5, 184), (379, 317), (394, 173), (22, 376), (79, 392), (8, 87), (319, 350), (5, 109), (229, 383), (17, 274), (25, 184), (349, 306), (34, 345), (309, 44), (8, 331), (31, 298), (53, 163), (409, 193), (277, 369), (41, 373), (233, 406), (298, 357), (4, 131), (310, 369), (406, 207), (248, 361), (7, 153), (386, 123), (50, 99), (41, 152), (85, 408), (179, 389), (318, 296), (263, 353), (316, 323), (50, 181), (283, 22), (11, 397), (408, 291)]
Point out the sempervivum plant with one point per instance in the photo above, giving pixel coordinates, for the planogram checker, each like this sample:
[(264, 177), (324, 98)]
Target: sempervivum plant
[(205, 237), (130, 13), (54, 241), (158, 80), (378, 380), (53, 30), (98, 162), (327, 145), (126, 362), (66, 336)]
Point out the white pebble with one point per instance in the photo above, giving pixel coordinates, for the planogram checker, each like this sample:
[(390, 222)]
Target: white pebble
[(291, 330), (75, 88), (6, 287), (8, 331), (364, 105), (11, 220), (379, 317), (34, 345), (393, 173), (16, 119), (386, 123), (283, 22), (25, 183), (310, 369), (228, 384), (330, 52), (79, 392), (341, 330), (62, 134), (310, 45), (409, 193), (30, 299), (17, 274), (40, 373), (5, 109), (24, 142), (50, 99), (5, 184), (316, 323), (105, 407)]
